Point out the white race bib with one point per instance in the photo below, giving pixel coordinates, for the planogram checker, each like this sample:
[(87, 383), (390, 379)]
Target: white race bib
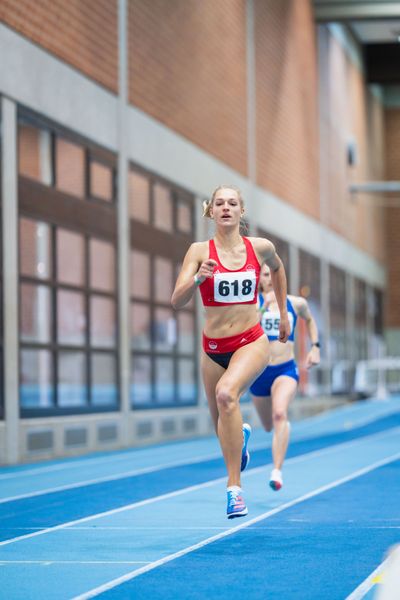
[(235, 287), (270, 323)]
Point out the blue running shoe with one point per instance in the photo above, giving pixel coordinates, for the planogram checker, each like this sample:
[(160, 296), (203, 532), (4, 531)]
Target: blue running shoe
[(236, 505), (245, 452)]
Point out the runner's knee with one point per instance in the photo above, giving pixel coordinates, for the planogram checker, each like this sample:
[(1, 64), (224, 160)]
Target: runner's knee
[(226, 398), (279, 416)]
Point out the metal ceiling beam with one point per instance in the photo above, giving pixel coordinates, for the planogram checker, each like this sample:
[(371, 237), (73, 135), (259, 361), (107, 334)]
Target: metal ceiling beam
[(341, 10), (374, 187)]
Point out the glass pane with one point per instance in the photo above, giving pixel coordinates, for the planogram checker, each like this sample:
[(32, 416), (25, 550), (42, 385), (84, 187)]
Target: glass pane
[(164, 388), (36, 379), (102, 265), (337, 306), (186, 333), (139, 197), (70, 168), (72, 387), (163, 270), (35, 248), (35, 313), (162, 208), (140, 274), (104, 387), (360, 313), (184, 217), (71, 318), (101, 181), (34, 153), (141, 381), (310, 277), (70, 257), (102, 322), (140, 327), (187, 388), (378, 311), (164, 329)]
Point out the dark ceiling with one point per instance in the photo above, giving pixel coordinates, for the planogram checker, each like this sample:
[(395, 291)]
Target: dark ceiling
[(376, 26)]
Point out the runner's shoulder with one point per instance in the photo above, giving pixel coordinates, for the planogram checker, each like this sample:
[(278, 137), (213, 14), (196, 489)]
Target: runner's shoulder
[(298, 302), (199, 250), (262, 246)]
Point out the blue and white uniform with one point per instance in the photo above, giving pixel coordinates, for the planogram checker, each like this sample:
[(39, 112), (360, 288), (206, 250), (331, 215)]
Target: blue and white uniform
[(270, 321)]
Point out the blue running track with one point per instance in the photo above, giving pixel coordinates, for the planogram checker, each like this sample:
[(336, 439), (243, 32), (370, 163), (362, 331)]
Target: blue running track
[(150, 523)]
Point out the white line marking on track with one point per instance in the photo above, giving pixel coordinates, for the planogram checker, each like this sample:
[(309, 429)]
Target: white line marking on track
[(134, 505), (106, 478), (135, 472), (367, 584), (158, 563), (74, 562), (113, 511), (89, 461)]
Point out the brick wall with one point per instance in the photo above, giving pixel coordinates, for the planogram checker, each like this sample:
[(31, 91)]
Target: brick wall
[(350, 112), (83, 33), (392, 128), (187, 69), (286, 96)]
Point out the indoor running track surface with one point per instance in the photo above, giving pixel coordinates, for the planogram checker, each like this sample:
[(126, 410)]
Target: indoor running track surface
[(150, 524)]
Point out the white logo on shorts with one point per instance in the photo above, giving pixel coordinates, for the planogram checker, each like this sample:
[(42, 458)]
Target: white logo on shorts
[(243, 340), (213, 345)]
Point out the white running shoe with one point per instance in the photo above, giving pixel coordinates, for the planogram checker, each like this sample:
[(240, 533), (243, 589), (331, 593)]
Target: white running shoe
[(275, 481)]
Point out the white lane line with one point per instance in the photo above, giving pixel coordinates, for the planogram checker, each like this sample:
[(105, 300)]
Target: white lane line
[(113, 511), (80, 463), (133, 454), (367, 584), (134, 505), (74, 562), (219, 536), (123, 528), (106, 478), (154, 469)]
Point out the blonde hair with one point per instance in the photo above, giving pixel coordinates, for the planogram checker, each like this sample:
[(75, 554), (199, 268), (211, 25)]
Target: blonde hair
[(207, 204)]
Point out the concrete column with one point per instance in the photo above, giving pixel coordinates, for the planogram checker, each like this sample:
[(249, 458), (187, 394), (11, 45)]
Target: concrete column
[(123, 228), (10, 271)]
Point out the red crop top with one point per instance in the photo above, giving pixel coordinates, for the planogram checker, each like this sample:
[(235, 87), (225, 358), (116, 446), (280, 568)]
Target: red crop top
[(228, 286)]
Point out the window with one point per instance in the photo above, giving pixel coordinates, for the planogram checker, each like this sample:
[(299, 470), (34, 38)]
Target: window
[(337, 307), (34, 152), (67, 253), (70, 167), (360, 320), (377, 311), (67, 323), (101, 181), (163, 342), (310, 288)]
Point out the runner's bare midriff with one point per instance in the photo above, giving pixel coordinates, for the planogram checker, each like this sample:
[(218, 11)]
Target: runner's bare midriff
[(280, 353), (226, 321)]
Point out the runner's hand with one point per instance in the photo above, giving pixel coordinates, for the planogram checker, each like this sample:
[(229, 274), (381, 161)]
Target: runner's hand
[(284, 329), (206, 269), (313, 357)]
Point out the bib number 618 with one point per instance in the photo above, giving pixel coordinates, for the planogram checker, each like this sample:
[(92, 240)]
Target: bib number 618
[(227, 287)]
